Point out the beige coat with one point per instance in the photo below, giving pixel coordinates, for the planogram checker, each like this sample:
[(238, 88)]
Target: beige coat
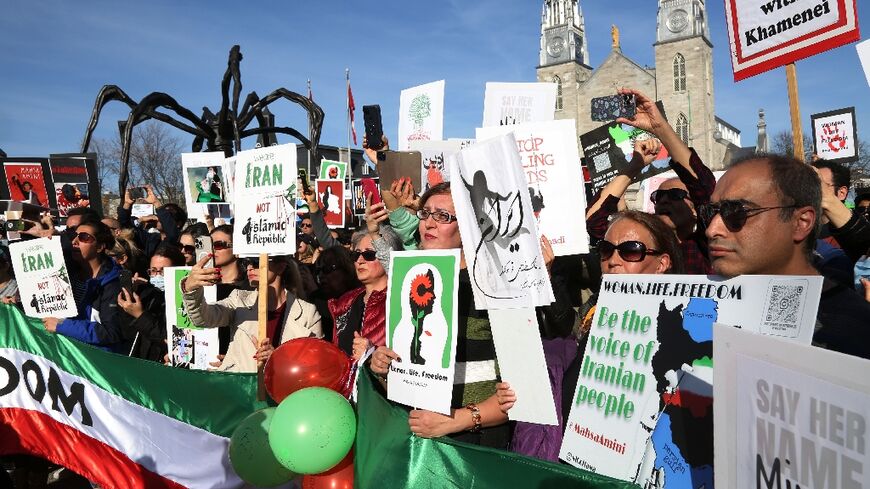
[(239, 311)]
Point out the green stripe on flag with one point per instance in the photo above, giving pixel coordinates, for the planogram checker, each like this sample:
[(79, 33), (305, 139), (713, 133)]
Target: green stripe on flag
[(388, 455), (215, 402)]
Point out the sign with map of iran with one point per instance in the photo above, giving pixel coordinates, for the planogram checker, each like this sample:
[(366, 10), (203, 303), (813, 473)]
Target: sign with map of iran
[(789, 415), (767, 34), (43, 279), (642, 408)]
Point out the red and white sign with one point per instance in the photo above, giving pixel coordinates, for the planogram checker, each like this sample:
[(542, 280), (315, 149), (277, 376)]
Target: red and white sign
[(767, 34)]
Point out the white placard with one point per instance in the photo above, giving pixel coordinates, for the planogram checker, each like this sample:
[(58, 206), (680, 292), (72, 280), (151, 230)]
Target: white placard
[(421, 114), (142, 210), (205, 182), (554, 178), (505, 104), (499, 234), (835, 137), (863, 48), (265, 201), (522, 364), (434, 156), (789, 415), (43, 279), (189, 346), (648, 360)]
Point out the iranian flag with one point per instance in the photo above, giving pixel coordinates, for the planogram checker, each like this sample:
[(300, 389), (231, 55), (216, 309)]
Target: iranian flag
[(120, 422)]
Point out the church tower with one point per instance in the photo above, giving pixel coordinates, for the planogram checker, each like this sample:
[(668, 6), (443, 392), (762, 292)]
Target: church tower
[(684, 75), (564, 56)]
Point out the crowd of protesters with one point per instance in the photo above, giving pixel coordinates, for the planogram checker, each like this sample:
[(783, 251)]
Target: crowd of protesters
[(768, 214)]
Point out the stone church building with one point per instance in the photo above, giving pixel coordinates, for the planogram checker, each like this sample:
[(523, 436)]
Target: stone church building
[(682, 77)]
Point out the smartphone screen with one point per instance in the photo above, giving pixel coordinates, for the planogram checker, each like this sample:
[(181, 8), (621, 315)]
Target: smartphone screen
[(374, 126), (204, 248), (127, 281)]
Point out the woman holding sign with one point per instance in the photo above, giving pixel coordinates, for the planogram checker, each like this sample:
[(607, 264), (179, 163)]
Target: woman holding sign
[(289, 317)]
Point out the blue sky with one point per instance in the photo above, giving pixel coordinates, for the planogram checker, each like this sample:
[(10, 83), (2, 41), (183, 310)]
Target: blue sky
[(55, 55)]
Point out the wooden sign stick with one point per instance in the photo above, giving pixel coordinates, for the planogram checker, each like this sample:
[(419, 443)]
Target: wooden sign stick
[(262, 319), (795, 107)]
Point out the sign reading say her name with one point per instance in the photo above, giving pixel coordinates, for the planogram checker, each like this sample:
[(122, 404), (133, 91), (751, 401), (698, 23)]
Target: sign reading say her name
[(642, 408), (551, 164), (265, 201), (789, 415), (422, 325), (505, 104), (499, 234), (43, 280)]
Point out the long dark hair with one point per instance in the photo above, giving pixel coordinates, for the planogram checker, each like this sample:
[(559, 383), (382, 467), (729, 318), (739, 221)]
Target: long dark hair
[(665, 240)]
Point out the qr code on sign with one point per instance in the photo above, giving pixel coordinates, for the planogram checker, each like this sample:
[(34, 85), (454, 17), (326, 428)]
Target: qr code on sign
[(783, 309)]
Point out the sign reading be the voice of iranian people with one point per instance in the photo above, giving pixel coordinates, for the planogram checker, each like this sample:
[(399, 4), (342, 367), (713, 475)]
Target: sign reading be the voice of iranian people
[(265, 198), (767, 34)]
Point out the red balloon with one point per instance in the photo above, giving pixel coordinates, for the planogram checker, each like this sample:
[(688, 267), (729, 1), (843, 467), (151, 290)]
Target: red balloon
[(306, 362), (338, 477)]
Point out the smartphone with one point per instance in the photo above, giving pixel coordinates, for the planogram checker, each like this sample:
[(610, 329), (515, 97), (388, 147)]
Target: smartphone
[(204, 248), (138, 193), (606, 109), (374, 128), (15, 225), (127, 281), (400, 164), (303, 179)]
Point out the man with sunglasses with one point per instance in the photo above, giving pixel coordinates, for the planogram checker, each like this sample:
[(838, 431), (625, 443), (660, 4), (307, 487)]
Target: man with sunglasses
[(676, 199), (763, 220)]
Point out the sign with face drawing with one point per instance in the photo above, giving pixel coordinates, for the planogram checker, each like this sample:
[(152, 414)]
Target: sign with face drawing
[(499, 233)]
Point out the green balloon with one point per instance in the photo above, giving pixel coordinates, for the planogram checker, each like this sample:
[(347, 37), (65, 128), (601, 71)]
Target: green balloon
[(250, 453), (313, 430)]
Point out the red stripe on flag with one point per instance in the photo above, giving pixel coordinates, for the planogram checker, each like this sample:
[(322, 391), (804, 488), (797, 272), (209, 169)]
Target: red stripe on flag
[(32, 432), (351, 107)]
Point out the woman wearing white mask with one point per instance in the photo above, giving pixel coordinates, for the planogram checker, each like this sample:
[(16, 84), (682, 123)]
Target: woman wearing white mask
[(144, 309)]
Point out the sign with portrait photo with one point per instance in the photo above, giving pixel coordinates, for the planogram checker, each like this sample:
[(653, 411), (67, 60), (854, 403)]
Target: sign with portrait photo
[(362, 187), (43, 279), (75, 182), (422, 324), (265, 201), (496, 221), (26, 183), (189, 346), (204, 182)]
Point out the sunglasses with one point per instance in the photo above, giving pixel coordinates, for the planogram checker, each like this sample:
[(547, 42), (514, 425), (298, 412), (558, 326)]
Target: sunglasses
[(189, 249), (221, 245), (671, 193), (305, 225), (368, 255), (85, 237), (733, 213), (633, 251), (439, 216)]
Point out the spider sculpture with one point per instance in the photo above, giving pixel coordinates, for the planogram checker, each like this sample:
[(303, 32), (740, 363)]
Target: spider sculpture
[(221, 132)]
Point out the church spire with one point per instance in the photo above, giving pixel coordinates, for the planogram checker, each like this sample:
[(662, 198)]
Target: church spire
[(563, 33), (761, 146)]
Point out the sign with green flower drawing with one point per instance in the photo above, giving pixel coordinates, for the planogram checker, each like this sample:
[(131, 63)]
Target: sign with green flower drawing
[(422, 327), (421, 114)]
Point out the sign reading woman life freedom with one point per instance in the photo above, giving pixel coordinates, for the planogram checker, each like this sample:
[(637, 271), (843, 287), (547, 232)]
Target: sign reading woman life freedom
[(422, 322), (265, 201)]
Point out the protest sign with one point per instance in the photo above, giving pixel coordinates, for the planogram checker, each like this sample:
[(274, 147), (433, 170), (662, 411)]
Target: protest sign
[(766, 34), (499, 234), (835, 135), (789, 415), (43, 279), (421, 114), (189, 346), (864, 55), (647, 366), (26, 183), (522, 364), (229, 167), (333, 170), (422, 323), (204, 182), (142, 210), (554, 179), (609, 149), (330, 197), (74, 177), (265, 198), (433, 155), (505, 104), (359, 189)]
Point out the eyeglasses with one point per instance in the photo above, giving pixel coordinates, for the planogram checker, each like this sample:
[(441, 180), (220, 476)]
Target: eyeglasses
[(305, 225), (155, 271), (85, 237), (189, 249), (368, 255), (633, 251), (439, 216), (671, 193), (221, 245), (733, 213)]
